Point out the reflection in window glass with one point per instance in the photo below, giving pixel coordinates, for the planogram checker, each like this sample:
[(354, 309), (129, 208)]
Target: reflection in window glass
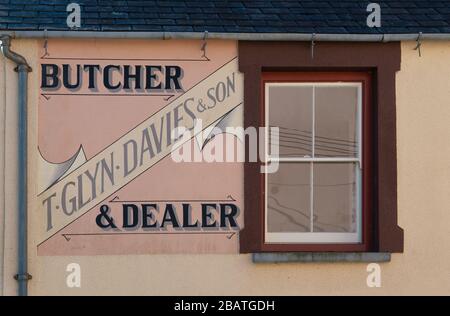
[(288, 198), (335, 121), (290, 109), (334, 197)]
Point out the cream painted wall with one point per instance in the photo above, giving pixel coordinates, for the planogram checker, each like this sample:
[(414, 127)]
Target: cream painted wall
[(423, 137)]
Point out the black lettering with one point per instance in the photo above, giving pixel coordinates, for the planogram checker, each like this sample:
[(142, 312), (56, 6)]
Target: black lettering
[(45, 75), (91, 71), (173, 77), (151, 77), (231, 216), (147, 215), (206, 215), (127, 76), (169, 216), (66, 77), (107, 76), (187, 216), (127, 223)]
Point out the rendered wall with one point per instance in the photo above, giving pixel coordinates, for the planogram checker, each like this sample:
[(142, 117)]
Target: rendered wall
[(423, 92)]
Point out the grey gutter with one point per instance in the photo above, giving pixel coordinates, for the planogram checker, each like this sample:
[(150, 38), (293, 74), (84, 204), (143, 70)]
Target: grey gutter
[(230, 36), (22, 69)]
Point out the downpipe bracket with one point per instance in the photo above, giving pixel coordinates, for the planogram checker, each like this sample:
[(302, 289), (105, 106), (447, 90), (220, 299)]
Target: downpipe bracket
[(23, 68), (23, 277)]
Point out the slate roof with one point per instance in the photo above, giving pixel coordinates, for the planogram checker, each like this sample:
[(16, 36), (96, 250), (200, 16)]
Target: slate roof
[(244, 16)]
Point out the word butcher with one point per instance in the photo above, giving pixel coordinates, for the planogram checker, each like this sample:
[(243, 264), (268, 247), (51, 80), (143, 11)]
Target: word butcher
[(152, 78)]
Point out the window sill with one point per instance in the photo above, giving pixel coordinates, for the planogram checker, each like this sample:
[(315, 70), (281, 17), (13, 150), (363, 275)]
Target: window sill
[(282, 257)]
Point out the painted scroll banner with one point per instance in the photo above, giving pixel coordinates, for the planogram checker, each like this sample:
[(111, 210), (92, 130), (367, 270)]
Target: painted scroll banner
[(138, 150)]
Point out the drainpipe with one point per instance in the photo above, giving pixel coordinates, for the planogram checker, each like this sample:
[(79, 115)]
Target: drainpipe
[(22, 69)]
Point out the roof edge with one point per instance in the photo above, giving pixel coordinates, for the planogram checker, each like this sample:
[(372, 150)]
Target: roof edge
[(229, 36)]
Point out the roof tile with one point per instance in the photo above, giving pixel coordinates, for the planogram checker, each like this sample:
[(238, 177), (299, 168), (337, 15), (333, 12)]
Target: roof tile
[(279, 16)]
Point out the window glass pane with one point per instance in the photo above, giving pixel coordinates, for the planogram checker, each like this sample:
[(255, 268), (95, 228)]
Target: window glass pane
[(290, 109), (336, 121), (335, 197), (288, 198)]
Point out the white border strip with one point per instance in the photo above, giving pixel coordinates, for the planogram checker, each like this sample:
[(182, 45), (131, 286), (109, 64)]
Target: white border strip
[(312, 238)]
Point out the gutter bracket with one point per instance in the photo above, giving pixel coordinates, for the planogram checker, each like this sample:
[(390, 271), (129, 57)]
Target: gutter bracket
[(205, 43), (312, 45), (419, 44), (45, 44)]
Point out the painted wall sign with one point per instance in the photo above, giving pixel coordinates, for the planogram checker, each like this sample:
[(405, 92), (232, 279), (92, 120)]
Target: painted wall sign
[(107, 182)]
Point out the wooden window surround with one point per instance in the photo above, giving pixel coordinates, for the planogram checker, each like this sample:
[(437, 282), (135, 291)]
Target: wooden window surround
[(373, 64)]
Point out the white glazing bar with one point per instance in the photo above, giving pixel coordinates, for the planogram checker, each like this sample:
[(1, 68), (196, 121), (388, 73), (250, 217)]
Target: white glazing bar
[(314, 84), (312, 238), (266, 153), (358, 204), (311, 214), (359, 118), (313, 141), (359, 168), (305, 159), (311, 196), (266, 119)]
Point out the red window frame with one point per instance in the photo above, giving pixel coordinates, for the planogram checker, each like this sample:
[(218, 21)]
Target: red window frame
[(367, 161)]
